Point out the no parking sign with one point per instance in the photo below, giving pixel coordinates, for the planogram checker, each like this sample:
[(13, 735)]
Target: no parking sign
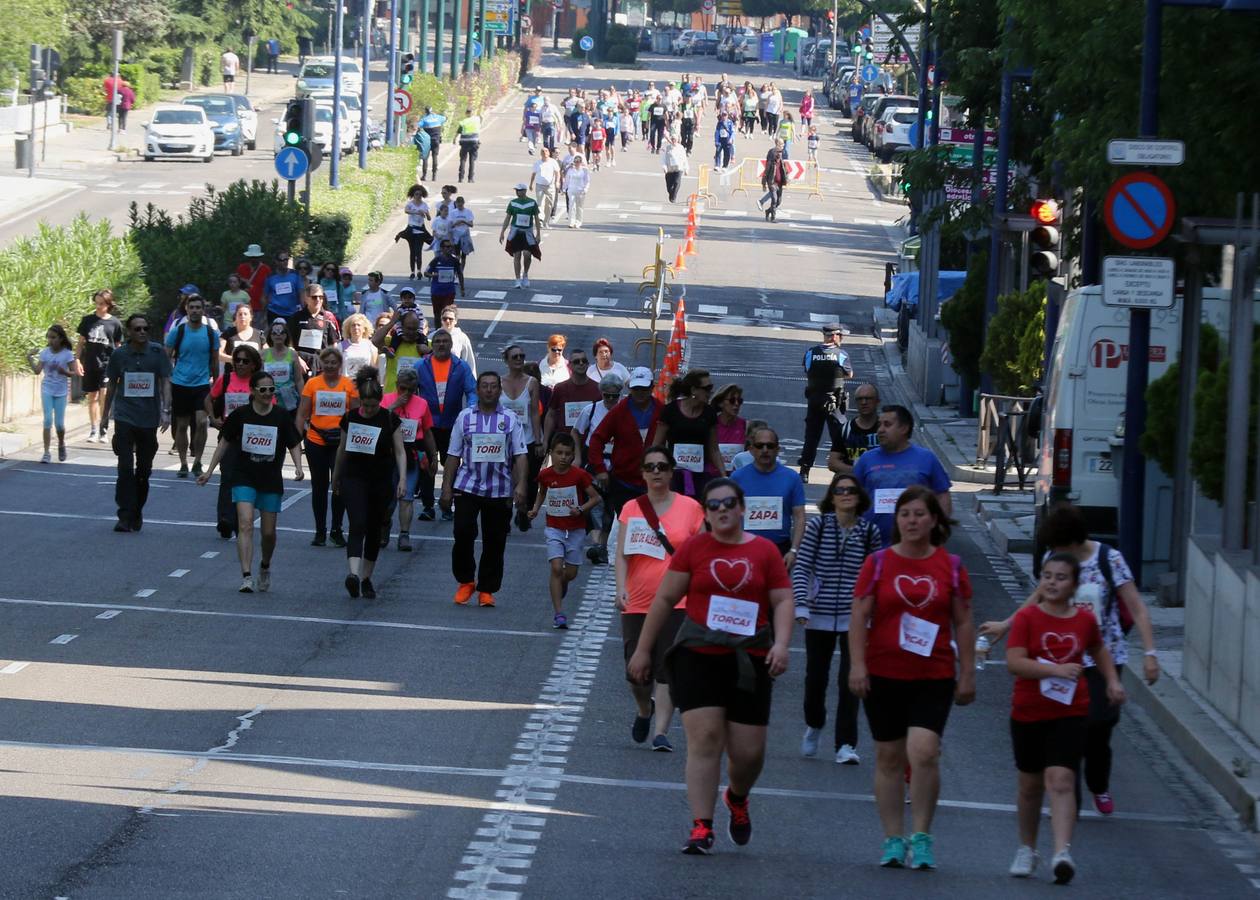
[(1139, 210)]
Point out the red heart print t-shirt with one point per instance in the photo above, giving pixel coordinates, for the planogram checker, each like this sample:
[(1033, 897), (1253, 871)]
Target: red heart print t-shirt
[(730, 585), (912, 622), (1053, 640)]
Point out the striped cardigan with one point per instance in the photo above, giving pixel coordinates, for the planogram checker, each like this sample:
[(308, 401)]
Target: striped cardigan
[(826, 568)]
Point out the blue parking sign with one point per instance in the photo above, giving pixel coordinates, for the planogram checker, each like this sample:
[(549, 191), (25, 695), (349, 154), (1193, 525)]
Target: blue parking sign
[(586, 43)]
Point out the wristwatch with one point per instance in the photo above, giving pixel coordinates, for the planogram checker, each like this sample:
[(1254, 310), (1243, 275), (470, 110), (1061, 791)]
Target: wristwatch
[(1150, 652)]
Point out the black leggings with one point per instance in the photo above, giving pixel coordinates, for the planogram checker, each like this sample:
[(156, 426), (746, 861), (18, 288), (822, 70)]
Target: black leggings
[(367, 505), (415, 247), (1103, 718), (320, 459), (818, 649)]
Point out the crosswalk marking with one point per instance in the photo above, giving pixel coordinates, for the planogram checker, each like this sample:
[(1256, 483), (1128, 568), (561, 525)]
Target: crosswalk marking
[(649, 207), (821, 217), (490, 295), (802, 249), (819, 318), (601, 301), (768, 313), (151, 186), (109, 184), (546, 298), (734, 213), (193, 187), (706, 309), (608, 206)]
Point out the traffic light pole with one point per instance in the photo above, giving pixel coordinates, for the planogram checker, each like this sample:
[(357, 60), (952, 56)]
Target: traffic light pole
[(426, 12), (391, 123), (437, 39), (367, 82), (455, 23), (468, 39), (334, 161)]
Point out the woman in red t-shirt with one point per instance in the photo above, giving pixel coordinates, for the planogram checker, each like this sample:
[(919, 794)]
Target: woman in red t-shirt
[(915, 597), (1050, 707), (724, 657)]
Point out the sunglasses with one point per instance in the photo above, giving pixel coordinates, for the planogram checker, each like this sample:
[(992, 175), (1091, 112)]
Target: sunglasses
[(612, 396), (556, 349), (766, 445), (578, 361), (735, 401), (243, 361), (282, 259), (721, 503), (657, 467), (842, 490), (516, 356), (264, 390)]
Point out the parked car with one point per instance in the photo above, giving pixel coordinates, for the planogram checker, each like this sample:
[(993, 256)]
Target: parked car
[(883, 102), (859, 114), (744, 49), (354, 108), (678, 46), (316, 75), (836, 86), (226, 124), (736, 45), (179, 131), (892, 131), (702, 43), (324, 128), (817, 56), (249, 119)]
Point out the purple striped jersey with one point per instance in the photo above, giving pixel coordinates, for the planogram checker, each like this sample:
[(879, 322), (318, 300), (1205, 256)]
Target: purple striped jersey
[(486, 444)]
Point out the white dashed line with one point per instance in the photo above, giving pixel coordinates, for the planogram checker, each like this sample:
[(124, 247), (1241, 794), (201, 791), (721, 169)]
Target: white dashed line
[(63, 639), (768, 313), (210, 554), (13, 668), (705, 309), (734, 213), (146, 592), (601, 301), (608, 206), (110, 613), (491, 295), (495, 323), (546, 298), (650, 207), (179, 573), (821, 217)]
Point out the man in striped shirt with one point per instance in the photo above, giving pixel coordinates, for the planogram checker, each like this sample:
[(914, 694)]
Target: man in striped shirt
[(486, 466)]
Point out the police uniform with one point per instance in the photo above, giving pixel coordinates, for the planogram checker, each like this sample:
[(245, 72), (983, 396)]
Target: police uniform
[(469, 141), (827, 367)]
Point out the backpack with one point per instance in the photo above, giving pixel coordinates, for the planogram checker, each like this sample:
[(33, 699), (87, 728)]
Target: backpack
[(214, 346)]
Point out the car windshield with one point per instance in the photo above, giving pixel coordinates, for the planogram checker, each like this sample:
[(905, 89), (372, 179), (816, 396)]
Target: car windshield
[(350, 100), (323, 114), (177, 117), (213, 106), (242, 102), (318, 70), (905, 118)]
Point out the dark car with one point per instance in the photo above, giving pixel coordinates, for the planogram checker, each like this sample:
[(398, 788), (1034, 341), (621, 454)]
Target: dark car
[(860, 113), (645, 38), (705, 44), (876, 112), (221, 111)]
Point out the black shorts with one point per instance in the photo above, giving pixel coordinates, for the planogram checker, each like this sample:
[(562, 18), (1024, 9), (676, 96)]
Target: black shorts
[(1054, 742), (188, 401), (632, 625), (228, 78), (95, 374), (699, 680), (894, 706)]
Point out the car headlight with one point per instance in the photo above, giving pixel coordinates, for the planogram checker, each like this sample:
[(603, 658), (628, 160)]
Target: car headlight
[(301, 84), (230, 127)]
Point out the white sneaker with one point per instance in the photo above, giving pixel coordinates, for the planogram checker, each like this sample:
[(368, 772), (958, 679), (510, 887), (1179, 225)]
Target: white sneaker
[(524, 282), (1025, 862), (847, 756), (91, 438), (809, 743), (517, 283), (262, 581), (247, 585), (1063, 867)]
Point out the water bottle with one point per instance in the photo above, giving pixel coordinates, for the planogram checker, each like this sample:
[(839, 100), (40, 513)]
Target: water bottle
[(982, 652)]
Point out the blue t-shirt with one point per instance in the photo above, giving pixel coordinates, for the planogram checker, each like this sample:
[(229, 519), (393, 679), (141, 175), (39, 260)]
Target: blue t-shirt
[(885, 475), (284, 294), (192, 365), (769, 498)]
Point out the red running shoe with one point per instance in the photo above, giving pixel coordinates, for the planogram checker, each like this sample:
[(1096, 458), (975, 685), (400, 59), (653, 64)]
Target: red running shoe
[(701, 840), (740, 828), (1104, 804)]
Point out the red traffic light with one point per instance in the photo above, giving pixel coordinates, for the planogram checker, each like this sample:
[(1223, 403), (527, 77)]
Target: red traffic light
[(1046, 212)]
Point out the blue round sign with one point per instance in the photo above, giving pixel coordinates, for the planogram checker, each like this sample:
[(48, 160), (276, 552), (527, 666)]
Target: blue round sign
[(291, 163), (586, 43), (870, 72)]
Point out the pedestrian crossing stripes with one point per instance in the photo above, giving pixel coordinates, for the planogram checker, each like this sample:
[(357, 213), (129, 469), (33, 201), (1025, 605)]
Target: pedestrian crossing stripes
[(490, 295), (601, 301), (546, 298), (706, 309), (635, 303)]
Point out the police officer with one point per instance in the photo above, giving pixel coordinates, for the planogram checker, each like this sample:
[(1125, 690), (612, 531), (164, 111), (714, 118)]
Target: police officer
[(826, 368), (469, 141), (432, 123)]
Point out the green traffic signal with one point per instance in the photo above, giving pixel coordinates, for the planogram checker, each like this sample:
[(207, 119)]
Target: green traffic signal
[(406, 78), (292, 138)]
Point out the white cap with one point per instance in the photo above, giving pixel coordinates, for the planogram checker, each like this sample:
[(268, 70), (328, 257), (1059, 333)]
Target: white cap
[(522, 186), (640, 377)]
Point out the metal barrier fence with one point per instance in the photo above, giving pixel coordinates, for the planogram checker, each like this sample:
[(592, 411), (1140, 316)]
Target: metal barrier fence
[(751, 169), (1003, 429)]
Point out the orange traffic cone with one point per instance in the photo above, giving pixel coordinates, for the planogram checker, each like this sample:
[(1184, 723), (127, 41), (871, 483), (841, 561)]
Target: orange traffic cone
[(680, 263), (691, 214), (690, 249), (691, 232)]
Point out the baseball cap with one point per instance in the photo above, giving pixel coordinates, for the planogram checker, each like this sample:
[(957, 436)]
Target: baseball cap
[(833, 328), (639, 377), (190, 289), (405, 291), (522, 186), (611, 382), (345, 270)]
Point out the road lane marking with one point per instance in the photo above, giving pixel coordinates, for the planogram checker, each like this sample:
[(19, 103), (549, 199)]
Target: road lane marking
[(210, 554), (707, 310), (110, 613), (63, 639), (13, 668), (768, 313), (495, 323), (546, 298), (178, 573), (734, 213), (293, 498), (491, 295), (601, 301)]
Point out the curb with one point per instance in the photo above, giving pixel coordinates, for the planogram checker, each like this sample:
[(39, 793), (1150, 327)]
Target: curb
[(28, 430)]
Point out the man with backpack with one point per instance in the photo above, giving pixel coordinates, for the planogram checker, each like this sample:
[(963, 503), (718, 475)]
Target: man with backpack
[(193, 346)]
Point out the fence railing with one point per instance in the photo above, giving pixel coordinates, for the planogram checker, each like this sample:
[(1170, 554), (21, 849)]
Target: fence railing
[(1003, 432)]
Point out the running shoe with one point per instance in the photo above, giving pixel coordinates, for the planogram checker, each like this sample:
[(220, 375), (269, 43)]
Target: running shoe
[(701, 840), (516, 284), (91, 438), (225, 530), (1063, 867), (196, 469), (101, 436), (1104, 804), (592, 552), (560, 622), (661, 744), (320, 539), (61, 453), (367, 589), (247, 584), (642, 724), (602, 558), (485, 598), (262, 581), (352, 585), (337, 538), (404, 542), (525, 281), (427, 514), (1025, 862), (121, 526), (740, 827), (447, 515), (809, 743), (46, 458), (464, 592), (921, 855), (893, 855), (847, 756), (183, 472), (522, 519)]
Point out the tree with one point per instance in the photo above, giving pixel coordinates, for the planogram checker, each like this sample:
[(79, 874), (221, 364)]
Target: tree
[(1015, 340), (42, 22), (144, 22)]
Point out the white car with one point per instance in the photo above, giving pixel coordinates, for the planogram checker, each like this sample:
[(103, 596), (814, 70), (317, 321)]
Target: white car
[(324, 128), (179, 132), (680, 43), (352, 102), (892, 131), (316, 76)]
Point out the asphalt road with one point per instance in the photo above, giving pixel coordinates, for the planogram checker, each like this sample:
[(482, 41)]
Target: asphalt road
[(165, 736)]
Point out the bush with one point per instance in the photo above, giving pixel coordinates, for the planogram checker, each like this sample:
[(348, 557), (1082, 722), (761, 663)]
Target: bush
[(51, 278), (146, 83), (1014, 342), (165, 63), (1207, 447), (365, 201), (479, 90), (621, 53), (963, 318), (575, 46), (84, 95), (1163, 398)]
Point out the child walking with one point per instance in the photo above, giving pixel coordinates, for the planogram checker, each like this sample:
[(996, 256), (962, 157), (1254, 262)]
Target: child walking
[(811, 143), (56, 363), (559, 485)]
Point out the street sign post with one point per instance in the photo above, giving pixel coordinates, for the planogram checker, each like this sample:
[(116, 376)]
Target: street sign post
[(401, 102), (527, 24), (1138, 282), (586, 44), (1126, 152), (870, 72), (291, 163), (1139, 210), (498, 16)]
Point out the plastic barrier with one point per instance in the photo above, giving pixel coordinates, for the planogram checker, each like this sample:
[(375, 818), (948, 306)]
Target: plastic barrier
[(802, 176), (704, 192)]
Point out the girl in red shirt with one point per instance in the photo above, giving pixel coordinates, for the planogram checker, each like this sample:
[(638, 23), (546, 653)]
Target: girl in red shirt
[(1049, 707), (915, 597), (724, 657)]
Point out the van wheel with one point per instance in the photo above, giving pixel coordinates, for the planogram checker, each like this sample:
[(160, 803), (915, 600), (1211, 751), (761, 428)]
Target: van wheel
[(148, 158), (209, 159)]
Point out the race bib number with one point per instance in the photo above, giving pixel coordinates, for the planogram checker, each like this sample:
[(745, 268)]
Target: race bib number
[(657, 112), (689, 457), (641, 540), (441, 393), (886, 500), (311, 338), (362, 438), (533, 119), (561, 501), (1089, 597), (259, 441), (763, 514), (573, 410), (279, 371), (1060, 690), (445, 276), (918, 636), (407, 362), (138, 384), (732, 616), (330, 403), (489, 448), (234, 400), (409, 429), (524, 220), (728, 452), (283, 287)]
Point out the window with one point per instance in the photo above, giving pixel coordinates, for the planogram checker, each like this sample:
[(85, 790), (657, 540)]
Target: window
[(178, 117)]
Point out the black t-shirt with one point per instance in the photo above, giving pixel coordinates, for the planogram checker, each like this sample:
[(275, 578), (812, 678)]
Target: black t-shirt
[(685, 430), (102, 336), (369, 443), (263, 440), (325, 328), (851, 439), (230, 335)]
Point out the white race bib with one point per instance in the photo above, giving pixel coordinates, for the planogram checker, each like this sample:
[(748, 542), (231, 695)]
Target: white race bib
[(886, 500), (1089, 597), (733, 616), (362, 438), (763, 513), (407, 362), (441, 393), (259, 440), (279, 371), (283, 287), (572, 410), (641, 540), (689, 457), (561, 500), (138, 384), (657, 111), (1060, 690), (330, 403), (728, 452), (311, 338), (489, 448), (524, 220), (409, 429), (918, 636), (234, 400), (445, 276)]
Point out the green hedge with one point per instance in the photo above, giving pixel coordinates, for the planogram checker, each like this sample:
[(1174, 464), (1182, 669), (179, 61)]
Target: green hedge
[(365, 200), (86, 93), (478, 91), (51, 278)]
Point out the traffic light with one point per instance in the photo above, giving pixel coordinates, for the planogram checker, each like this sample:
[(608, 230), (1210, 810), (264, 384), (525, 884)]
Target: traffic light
[(406, 74), (1043, 258), (293, 131), (869, 51)]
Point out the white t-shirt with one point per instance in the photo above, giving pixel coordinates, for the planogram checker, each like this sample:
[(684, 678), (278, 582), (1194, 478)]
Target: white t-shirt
[(416, 213), (588, 420), (461, 220), (774, 103), (615, 369), (56, 384), (546, 172), (551, 376), (231, 62)]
